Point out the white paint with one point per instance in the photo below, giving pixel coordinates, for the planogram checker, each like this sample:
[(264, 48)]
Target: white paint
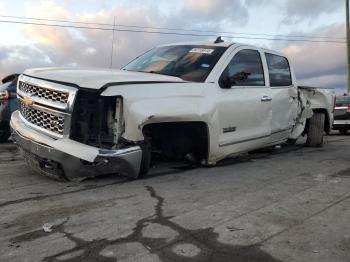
[(95, 78)]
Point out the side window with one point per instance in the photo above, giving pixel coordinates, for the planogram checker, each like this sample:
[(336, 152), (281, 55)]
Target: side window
[(245, 69), (279, 70)]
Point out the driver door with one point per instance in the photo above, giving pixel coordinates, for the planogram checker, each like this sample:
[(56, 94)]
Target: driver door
[(244, 105)]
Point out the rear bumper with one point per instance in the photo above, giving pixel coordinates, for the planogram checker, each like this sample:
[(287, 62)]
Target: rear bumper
[(68, 159)]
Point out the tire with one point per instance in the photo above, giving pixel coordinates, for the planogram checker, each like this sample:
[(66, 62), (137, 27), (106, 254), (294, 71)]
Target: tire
[(343, 131), (316, 130), (146, 158)]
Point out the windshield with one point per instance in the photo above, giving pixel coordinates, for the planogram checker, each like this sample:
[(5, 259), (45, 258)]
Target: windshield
[(189, 62)]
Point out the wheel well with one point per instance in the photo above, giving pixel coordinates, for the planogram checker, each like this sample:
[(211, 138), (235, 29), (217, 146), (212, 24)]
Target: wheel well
[(175, 140), (327, 127)]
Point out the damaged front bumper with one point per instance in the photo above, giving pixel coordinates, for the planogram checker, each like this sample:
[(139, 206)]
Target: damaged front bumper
[(68, 159)]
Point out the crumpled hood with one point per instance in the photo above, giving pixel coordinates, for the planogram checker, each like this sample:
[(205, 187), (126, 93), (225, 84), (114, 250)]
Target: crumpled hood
[(96, 78)]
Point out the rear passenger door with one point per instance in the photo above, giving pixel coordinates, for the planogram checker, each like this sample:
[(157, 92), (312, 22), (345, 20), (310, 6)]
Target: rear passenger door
[(284, 97)]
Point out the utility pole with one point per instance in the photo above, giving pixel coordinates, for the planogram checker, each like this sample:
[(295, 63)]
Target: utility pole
[(112, 51), (348, 41)]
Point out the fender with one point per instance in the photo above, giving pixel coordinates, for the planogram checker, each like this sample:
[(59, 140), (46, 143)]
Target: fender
[(313, 100), (177, 109), (161, 102)]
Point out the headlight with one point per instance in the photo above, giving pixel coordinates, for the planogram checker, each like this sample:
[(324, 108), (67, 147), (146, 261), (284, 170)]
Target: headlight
[(4, 95)]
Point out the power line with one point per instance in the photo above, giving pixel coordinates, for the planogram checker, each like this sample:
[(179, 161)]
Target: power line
[(171, 33), (172, 29)]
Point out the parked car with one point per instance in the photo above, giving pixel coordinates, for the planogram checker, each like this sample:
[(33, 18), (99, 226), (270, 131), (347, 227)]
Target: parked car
[(197, 101), (8, 104), (342, 114)]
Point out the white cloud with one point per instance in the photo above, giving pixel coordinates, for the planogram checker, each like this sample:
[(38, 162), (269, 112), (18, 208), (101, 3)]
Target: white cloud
[(216, 11), (15, 59), (320, 64), (333, 81), (2, 8), (315, 63), (83, 47), (259, 2), (311, 9)]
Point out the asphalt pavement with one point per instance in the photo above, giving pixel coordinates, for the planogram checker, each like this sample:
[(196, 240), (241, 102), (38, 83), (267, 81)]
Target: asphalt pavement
[(288, 204)]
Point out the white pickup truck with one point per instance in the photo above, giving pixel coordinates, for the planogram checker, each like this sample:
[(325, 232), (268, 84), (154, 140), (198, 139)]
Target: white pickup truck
[(200, 101)]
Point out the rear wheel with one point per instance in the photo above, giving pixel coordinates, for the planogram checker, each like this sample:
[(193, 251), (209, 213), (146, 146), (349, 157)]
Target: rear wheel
[(316, 130)]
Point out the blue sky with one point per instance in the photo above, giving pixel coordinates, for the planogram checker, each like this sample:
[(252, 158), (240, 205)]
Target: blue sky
[(23, 46)]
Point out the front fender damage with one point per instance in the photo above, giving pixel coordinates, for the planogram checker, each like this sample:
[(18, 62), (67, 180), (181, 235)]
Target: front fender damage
[(141, 113)]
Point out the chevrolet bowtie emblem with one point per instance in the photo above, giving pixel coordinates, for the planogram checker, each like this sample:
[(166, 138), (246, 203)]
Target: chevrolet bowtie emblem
[(28, 101)]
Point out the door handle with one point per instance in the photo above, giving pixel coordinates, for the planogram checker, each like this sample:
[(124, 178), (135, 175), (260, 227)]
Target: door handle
[(266, 99)]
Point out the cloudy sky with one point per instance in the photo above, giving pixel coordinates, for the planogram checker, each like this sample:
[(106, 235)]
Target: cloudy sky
[(316, 63)]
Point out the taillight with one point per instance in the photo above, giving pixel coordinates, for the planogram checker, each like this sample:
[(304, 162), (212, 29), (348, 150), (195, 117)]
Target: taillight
[(348, 110), (4, 95)]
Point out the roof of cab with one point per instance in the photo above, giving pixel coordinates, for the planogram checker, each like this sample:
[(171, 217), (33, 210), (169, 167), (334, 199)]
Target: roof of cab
[(224, 44), (205, 43)]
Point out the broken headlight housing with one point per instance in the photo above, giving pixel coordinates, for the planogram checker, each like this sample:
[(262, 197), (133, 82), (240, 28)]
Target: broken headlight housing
[(97, 120)]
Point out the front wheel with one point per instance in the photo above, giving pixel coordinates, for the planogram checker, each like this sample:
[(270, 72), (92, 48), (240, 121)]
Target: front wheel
[(316, 130)]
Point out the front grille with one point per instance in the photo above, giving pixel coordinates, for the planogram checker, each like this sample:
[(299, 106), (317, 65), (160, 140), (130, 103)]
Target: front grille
[(48, 121), (45, 93)]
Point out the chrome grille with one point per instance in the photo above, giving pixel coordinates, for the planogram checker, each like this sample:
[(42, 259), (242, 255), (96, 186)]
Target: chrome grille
[(45, 93), (40, 118), (45, 105)]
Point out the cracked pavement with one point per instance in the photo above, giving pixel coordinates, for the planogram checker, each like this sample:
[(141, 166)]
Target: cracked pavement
[(289, 204)]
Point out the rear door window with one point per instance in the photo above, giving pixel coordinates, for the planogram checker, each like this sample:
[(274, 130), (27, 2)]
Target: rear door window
[(279, 70)]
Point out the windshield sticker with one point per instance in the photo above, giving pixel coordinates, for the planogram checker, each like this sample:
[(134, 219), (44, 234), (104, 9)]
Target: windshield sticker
[(205, 65), (202, 51)]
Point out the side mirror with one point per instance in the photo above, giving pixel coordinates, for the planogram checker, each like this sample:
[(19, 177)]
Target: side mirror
[(225, 82)]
